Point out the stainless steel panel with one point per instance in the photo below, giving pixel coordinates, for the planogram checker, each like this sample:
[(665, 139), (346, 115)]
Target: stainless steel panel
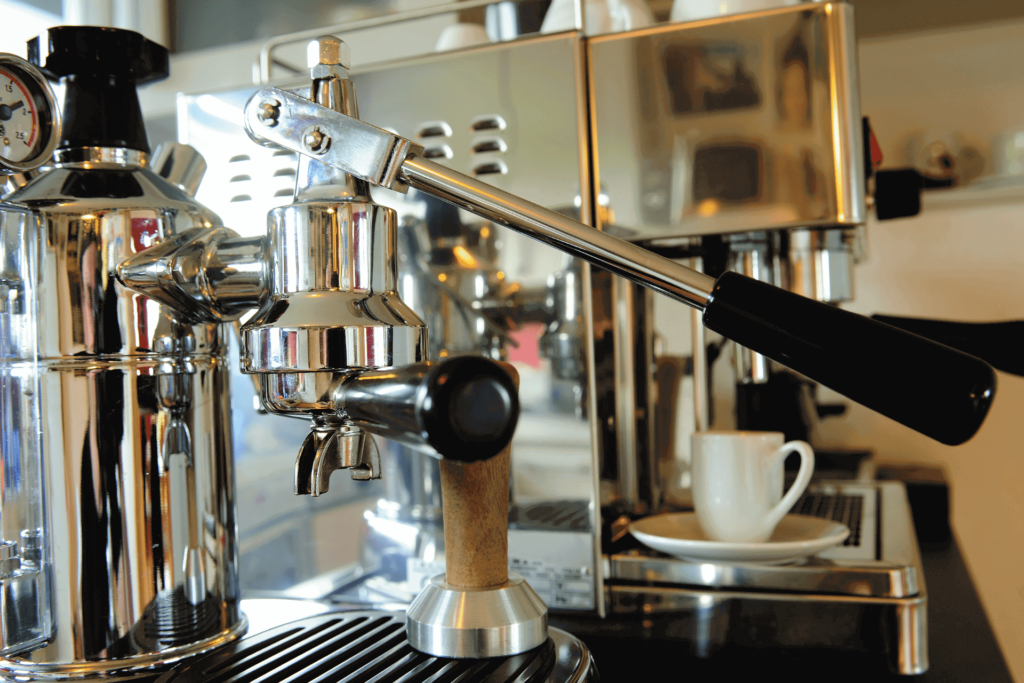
[(136, 471), (527, 96), (868, 595), (729, 124)]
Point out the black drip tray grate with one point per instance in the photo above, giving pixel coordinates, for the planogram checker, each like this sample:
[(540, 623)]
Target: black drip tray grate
[(839, 507), (353, 647)]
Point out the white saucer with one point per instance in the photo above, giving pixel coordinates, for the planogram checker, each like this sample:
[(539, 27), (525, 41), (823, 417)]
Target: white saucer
[(796, 536)]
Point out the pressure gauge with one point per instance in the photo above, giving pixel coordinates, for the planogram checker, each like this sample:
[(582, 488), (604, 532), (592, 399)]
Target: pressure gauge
[(29, 119)]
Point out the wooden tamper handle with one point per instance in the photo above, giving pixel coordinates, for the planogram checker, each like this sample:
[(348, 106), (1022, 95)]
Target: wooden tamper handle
[(477, 609), (474, 499)]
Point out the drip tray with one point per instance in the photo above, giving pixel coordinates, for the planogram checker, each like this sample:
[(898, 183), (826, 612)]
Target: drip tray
[(370, 646)]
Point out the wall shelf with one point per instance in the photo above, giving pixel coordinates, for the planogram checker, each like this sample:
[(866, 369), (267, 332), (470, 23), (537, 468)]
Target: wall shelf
[(990, 190)]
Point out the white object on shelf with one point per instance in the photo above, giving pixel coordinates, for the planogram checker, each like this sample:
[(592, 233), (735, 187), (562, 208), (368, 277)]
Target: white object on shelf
[(602, 16), (692, 10), (461, 35)]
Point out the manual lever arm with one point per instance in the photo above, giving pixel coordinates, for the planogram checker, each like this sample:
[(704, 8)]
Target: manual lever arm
[(936, 390)]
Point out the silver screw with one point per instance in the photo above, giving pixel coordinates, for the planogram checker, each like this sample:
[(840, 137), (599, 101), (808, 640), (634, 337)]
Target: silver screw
[(269, 112), (316, 141), (327, 51)]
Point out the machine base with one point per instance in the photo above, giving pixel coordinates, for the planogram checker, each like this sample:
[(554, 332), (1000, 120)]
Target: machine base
[(372, 644), (473, 623)]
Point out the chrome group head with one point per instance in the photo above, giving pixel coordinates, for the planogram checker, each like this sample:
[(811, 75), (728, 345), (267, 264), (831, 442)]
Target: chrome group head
[(324, 281)]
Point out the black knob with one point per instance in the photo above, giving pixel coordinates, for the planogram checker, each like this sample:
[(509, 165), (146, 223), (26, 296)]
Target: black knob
[(463, 408), (898, 192), (100, 68)]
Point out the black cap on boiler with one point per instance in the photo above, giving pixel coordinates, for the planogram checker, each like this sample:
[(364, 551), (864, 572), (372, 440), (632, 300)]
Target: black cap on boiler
[(100, 68)]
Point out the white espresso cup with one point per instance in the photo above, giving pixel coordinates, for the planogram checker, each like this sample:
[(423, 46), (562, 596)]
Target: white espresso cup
[(737, 483)]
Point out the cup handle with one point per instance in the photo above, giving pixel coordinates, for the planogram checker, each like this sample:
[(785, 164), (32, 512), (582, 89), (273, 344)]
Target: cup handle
[(803, 477)]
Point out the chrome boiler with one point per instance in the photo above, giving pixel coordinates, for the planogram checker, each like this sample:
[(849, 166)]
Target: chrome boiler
[(118, 494)]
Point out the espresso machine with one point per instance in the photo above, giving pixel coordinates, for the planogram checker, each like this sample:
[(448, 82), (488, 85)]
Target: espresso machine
[(334, 341), (123, 507), (463, 119)]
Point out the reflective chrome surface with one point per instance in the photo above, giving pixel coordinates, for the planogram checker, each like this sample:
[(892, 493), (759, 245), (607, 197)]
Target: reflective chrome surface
[(333, 301), (317, 640), (293, 122), (464, 408), (324, 281), (333, 305), (867, 595), (468, 277), (101, 157), (204, 274), (463, 271), (820, 264), (138, 524), (731, 124), (496, 621), (27, 621), (387, 160), (601, 249), (267, 59), (753, 255), (180, 165), (454, 107), (333, 445), (39, 122)]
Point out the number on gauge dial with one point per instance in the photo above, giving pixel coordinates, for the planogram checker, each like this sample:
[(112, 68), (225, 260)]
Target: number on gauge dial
[(19, 122)]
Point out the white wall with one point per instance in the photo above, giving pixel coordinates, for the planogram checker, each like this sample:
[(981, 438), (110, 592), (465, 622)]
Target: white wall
[(958, 260), (20, 23)]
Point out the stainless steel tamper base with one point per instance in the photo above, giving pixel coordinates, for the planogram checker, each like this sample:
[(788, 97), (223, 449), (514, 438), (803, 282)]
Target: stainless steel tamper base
[(474, 623)]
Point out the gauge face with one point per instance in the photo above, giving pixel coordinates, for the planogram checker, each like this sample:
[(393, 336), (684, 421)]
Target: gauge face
[(29, 121), (19, 120)]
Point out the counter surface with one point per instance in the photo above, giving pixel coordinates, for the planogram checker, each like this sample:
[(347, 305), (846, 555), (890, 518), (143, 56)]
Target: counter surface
[(962, 646)]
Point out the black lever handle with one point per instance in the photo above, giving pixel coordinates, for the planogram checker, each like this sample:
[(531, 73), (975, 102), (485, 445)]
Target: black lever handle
[(463, 408), (100, 68), (998, 344), (934, 389)]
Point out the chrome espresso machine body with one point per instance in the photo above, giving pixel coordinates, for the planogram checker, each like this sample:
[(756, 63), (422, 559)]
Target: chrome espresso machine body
[(118, 467), (639, 133), (118, 495), (745, 129), (333, 340)]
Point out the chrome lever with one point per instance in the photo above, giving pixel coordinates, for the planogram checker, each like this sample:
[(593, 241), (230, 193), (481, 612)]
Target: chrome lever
[(275, 117), (278, 117)]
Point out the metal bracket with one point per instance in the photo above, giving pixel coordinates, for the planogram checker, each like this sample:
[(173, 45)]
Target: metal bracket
[(275, 117)]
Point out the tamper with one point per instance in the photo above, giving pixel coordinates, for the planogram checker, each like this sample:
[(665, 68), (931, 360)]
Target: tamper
[(477, 608)]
